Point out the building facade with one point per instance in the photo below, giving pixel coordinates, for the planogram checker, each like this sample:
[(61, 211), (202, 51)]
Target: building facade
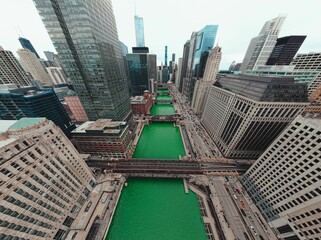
[(261, 46), (202, 86), (23, 102), (11, 72), (56, 75), (307, 76), (103, 137), (76, 109), (309, 62), (32, 64), (141, 68), (285, 49), (25, 43), (139, 31), (85, 36), (285, 181), (244, 114), (142, 104), (183, 70), (44, 181)]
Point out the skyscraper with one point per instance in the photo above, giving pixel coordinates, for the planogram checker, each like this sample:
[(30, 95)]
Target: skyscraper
[(309, 62), (85, 36), (203, 86), (32, 64), (25, 43), (17, 103), (139, 31), (285, 50), (44, 180), (204, 42), (11, 72), (165, 56), (285, 183), (200, 42), (183, 70), (141, 68), (244, 114), (261, 46)]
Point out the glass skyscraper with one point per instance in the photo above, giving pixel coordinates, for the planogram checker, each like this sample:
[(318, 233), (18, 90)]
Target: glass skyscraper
[(204, 42), (85, 36), (141, 68), (25, 43), (139, 30)]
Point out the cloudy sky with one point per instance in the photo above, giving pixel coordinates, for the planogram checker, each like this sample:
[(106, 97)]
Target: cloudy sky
[(171, 22)]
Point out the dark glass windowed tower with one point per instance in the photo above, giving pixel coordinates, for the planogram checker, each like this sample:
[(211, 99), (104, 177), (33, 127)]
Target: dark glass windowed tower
[(85, 36)]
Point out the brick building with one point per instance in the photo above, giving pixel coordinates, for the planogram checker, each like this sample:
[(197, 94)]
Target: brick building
[(103, 137), (141, 104)]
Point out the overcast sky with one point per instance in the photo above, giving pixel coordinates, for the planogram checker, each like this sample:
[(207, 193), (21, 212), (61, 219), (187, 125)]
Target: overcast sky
[(171, 22)]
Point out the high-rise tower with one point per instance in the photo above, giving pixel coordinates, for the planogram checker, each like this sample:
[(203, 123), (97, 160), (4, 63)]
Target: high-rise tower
[(11, 72), (261, 46), (139, 31), (166, 56), (285, 50), (31, 64), (25, 43), (85, 36)]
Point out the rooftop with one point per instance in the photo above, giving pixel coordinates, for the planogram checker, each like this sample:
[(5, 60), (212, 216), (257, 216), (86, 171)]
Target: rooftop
[(25, 122), (104, 125), (264, 88)]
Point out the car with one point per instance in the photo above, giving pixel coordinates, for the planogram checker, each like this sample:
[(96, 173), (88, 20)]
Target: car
[(253, 230)]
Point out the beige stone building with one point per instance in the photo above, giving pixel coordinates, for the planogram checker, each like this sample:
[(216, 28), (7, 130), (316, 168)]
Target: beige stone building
[(285, 182), (43, 180), (31, 64)]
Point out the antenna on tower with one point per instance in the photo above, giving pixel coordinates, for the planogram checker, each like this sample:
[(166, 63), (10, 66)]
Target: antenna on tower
[(135, 7), (20, 33)]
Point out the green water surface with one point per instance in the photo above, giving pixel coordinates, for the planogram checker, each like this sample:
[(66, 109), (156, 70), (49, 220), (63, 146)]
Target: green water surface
[(161, 141), (163, 97), (156, 209), (162, 109), (163, 90)]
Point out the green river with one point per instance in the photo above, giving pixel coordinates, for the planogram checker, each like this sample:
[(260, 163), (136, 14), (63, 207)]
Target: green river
[(157, 209), (162, 109)]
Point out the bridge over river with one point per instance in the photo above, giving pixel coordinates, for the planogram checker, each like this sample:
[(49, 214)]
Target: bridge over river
[(179, 168)]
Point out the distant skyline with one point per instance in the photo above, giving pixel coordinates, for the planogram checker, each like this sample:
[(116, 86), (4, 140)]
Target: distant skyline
[(171, 23)]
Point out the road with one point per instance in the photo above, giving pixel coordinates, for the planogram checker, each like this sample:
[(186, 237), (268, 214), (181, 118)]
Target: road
[(202, 144), (231, 213)]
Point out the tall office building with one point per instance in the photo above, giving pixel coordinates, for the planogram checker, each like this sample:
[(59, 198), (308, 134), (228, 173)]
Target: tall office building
[(32, 64), (17, 103), (139, 31), (25, 43), (124, 49), (285, 181), (166, 56), (56, 75), (204, 42), (88, 45), (244, 114), (43, 180), (309, 62), (285, 50), (179, 72), (183, 70), (141, 68), (200, 42), (11, 72), (53, 58), (202, 86), (261, 46)]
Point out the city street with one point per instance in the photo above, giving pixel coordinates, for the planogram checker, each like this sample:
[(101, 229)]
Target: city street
[(202, 144)]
